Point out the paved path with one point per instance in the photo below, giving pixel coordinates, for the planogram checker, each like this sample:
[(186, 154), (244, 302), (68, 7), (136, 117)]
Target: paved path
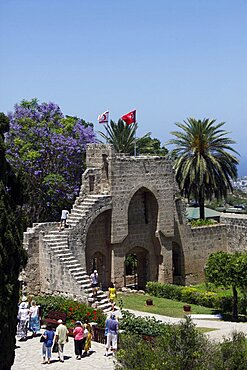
[(28, 357), (28, 354)]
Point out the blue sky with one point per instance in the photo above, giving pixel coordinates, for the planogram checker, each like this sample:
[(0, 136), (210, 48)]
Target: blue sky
[(169, 59)]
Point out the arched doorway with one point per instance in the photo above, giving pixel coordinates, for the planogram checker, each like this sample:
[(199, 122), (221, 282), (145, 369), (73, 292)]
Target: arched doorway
[(136, 268), (98, 262), (98, 251)]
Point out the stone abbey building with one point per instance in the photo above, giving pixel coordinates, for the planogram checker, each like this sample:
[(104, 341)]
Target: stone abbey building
[(126, 206)]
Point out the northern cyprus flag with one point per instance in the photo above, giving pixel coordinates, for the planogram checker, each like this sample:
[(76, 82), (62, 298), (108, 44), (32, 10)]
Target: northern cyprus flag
[(103, 117)]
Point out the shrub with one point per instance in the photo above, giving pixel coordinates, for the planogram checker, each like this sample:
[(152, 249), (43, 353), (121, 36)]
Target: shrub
[(147, 326), (73, 309), (194, 295), (234, 352), (198, 223), (168, 291), (178, 347)]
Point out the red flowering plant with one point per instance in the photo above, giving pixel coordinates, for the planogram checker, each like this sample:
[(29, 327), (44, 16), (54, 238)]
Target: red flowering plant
[(73, 309)]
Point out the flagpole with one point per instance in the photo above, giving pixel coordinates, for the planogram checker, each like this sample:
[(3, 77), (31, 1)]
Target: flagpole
[(135, 142), (107, 127)]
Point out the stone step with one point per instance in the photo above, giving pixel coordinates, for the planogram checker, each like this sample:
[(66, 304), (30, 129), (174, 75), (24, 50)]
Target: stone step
[(59, 234), (72, 223), (104, 306), (67, 259), (76, 217), (80, 212), (74, 264), (75, 269), (56, 249), (84, 273), (81, 276), (65, 254), (81, 207), (56, 241)]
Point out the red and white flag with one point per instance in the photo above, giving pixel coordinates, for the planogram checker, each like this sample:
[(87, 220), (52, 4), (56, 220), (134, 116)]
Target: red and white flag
[(103, 117), (130, 117)]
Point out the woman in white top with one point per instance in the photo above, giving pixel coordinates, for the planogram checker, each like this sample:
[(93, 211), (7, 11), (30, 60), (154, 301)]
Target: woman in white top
[(34, 323), (23, 316)]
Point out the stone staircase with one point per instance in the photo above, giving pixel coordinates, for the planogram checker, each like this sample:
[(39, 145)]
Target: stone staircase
[(83, 209), (57, 243)]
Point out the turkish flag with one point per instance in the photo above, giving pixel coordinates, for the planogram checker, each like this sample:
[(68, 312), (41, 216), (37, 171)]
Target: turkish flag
[(130, 117)]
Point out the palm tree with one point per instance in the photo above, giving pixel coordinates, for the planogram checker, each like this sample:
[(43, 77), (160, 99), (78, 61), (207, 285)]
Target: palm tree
[(204, 165), (121, 136)]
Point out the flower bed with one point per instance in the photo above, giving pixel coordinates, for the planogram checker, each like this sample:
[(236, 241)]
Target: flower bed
[(73, 309)]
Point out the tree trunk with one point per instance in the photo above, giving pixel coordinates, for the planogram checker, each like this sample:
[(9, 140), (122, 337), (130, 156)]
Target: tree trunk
[(235, 304), (201, 204)]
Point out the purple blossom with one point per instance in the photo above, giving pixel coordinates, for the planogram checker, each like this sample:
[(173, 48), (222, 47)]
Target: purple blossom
[(40, 144)]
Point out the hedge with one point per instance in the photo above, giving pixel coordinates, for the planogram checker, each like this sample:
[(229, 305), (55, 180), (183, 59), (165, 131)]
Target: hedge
[(193, 296)]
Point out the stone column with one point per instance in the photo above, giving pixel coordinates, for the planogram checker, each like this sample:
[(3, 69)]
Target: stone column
[(117, 268), (165, 264)]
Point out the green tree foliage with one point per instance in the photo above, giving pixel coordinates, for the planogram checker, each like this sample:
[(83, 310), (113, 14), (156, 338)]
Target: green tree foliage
[(228, 270), (147, 145), (12, 256), (203, 163), (122, 136)]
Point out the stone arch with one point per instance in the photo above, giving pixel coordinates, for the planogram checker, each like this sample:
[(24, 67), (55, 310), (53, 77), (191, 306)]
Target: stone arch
[(97, 249), (132, 193), (146, 206), (177, 264), (141, 273)]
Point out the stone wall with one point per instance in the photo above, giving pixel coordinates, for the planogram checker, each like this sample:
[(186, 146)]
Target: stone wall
[(135, 213), (33, 242), (196, 244), (128, 175), (236, 229)]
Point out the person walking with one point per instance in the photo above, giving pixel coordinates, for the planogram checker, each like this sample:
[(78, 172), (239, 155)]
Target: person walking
[(48, 336), (34, 323), (112, 295), (79, 341), (63, 220), (88, 337), (112, 334), (94, 282), (61, 338), (23, 318)]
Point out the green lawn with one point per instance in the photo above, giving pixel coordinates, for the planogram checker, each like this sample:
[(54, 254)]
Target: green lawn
[(161, 306)]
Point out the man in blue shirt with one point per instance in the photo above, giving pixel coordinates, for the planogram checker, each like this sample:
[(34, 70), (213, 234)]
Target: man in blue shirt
[(112, 333)]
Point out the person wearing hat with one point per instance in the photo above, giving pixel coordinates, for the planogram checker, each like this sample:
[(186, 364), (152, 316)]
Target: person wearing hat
[(61, 335), (23, 317), (25, 301), (112, 333), (94, 282), (79, 339)]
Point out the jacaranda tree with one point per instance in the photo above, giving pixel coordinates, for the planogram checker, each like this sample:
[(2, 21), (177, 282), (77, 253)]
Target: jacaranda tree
[(49, 148), (204, 163)]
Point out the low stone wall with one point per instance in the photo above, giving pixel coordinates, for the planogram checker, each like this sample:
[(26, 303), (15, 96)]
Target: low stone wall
[(32, 242), (203, 241), (236, 229)]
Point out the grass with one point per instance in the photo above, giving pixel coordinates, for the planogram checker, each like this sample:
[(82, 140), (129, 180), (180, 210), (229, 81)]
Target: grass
[(205, 330), (161, 306)]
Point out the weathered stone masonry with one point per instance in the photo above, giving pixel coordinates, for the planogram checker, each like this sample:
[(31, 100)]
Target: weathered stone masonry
[(126, 205)]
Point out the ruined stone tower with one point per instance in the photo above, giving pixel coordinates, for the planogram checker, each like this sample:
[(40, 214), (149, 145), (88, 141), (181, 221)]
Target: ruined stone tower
[(126, 206)]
